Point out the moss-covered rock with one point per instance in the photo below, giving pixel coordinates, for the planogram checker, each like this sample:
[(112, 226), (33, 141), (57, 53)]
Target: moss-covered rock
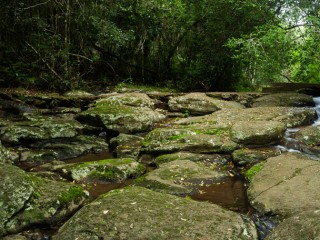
[(286, 185), (35, 157), (217, 159), (27, 200), (308, 140), (284, 100), (134, 99), (126, 146), (290, 116), (41, 128), (164, 140), (70, 148), (109, 170), (181, 177), (245, 156), (257, 133), (200, 104), (8, 155), (137, 213), (116, 116)]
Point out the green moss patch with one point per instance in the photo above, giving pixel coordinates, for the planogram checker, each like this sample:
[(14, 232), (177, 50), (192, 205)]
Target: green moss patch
[(253, 171)]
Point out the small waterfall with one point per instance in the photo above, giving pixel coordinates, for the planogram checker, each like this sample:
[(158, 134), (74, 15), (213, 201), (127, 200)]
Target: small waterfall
[(289, 144), (317, 108)]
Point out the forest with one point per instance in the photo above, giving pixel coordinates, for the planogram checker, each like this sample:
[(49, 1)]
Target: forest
[(188, 45)]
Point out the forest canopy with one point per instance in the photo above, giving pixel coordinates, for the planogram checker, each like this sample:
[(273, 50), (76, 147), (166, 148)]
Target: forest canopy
[(202, 45)]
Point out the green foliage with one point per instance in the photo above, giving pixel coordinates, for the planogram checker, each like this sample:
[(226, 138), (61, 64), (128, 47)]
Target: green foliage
[(186, 45)]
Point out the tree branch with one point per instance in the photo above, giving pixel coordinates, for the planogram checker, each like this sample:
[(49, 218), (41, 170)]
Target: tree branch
[(37, 5), (44, 61)]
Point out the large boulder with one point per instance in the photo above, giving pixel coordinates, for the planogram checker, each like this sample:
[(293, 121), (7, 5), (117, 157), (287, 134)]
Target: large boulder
[(284, 100), (255, 133), (200, 104), (285, 185), (117, 113), (111, 170), (27, 200), (138, 213), (181, 177)]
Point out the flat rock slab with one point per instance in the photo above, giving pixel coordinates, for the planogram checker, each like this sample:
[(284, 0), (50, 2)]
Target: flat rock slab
[(109, 170), (304, 226), (257, 132), (41, 128), (200, 104), (286, 185), (246, 156), (181, 177), (165, 140), (284, 100), (138, 213), (290, 116), (216, 159)]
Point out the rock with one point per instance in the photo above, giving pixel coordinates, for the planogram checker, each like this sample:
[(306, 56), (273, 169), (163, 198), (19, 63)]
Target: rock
[(217, 159), (181, 177), (38, 156), (291, 116), (245, 156), (257, 133), (114, 115), (78, 94), (303, 226), (133, 99), (15, 237), (165, 140), (27, 200), (284, 100), (200, 104), (244, 98), (126, 146), (110, 170), (308, 140), (70, 148), (7, 155), (40, 128), (137, 213), (286, 185)]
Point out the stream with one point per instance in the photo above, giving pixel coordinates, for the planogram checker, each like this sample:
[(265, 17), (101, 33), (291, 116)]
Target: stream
[(231, 193)]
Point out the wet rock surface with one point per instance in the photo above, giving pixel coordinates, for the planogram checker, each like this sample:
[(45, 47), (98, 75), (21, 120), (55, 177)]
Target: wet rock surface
[(153, 142)]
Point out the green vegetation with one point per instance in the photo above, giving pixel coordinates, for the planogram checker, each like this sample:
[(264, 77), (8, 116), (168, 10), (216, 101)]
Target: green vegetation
[(185, 45), (253, 171), (73, 194)]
